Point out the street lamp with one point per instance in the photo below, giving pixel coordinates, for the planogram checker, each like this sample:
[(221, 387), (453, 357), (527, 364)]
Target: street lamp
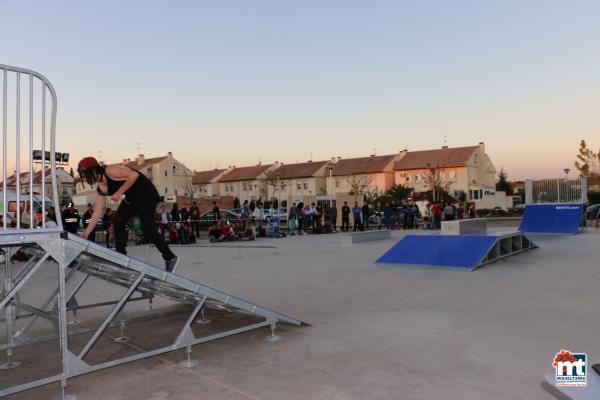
[(566, 171), (330, 168)]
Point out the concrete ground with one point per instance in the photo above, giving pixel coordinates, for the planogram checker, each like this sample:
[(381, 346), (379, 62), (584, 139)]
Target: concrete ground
[(376, 332)]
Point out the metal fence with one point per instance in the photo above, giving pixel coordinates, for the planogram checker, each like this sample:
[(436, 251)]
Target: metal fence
[(556, 191), (28, 124)]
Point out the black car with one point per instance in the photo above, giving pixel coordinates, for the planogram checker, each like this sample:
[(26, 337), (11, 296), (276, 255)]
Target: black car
[(208, 218)]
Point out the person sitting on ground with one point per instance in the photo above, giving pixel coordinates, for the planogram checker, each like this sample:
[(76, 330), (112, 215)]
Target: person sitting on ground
[(214, 233), (249, 232), (227, 232)]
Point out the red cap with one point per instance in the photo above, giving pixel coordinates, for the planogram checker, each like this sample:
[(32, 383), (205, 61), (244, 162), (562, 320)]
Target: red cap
[(87, 162)]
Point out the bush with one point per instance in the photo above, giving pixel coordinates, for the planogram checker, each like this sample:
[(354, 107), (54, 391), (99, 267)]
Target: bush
[(482, 212)]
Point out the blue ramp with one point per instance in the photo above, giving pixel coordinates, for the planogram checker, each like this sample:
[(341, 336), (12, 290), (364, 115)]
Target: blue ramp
[(462, 252), (552, 218)]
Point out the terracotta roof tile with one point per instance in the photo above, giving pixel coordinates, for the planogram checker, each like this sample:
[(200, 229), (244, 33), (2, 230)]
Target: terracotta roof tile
[(244, 173), (448, 157), (362, 165), (204, 177), (300, 170), (148, 161)]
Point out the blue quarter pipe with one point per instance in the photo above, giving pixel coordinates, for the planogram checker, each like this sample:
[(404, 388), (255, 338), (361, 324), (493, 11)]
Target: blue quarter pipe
[(552, 218)]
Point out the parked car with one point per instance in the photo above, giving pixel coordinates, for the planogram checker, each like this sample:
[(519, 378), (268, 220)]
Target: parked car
[(236, 211), (207, 219), (282, 213)]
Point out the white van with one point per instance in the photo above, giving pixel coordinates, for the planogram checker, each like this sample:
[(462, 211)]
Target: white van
[(11, 199)]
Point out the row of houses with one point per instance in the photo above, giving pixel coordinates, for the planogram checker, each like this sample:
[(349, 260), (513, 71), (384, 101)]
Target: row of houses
[(465, 172), (42, 183)]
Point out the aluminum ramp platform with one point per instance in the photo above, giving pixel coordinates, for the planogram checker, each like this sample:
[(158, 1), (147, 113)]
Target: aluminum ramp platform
[(76, 263)]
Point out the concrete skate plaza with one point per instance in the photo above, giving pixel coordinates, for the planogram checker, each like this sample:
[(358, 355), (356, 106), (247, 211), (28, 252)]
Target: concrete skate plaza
[(377, 332)]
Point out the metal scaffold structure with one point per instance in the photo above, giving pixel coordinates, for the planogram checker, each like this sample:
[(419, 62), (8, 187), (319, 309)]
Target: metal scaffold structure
[(55, 271)]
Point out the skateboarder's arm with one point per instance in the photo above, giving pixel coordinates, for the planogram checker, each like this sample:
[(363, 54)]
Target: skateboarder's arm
[(96, 215)]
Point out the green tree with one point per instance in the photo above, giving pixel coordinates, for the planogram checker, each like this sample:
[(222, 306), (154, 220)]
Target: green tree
[(588, 161), (398, 193), (503, 184)]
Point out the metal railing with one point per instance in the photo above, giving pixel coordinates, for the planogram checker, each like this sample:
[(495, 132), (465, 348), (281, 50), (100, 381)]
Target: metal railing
[(14, 81), (556, 191)]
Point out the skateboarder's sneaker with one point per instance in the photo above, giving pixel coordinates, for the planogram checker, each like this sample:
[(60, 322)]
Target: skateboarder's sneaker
[(171, 264)]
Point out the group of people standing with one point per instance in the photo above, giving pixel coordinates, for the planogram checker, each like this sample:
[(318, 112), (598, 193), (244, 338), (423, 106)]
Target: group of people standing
[(437, 212)]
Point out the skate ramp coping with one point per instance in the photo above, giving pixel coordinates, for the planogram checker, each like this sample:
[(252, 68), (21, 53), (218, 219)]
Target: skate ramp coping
[(367, 236)]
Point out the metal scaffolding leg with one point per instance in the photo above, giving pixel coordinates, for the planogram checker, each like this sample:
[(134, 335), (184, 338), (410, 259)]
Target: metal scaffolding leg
[(9, 316), (273, 337)]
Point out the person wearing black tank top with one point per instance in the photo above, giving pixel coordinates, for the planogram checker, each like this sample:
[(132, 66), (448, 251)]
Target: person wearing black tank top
[(138, 196)]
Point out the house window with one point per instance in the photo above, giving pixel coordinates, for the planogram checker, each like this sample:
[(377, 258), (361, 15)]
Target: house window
[(475, 158), (149, 170), (337, 183), (245, 186), (166, 191), (165, 172), (298, 186), (305, 185)]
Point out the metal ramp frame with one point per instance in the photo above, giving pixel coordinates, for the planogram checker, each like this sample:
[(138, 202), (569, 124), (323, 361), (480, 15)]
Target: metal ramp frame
[(75, 256)]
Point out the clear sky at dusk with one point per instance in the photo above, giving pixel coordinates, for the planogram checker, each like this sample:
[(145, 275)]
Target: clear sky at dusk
[(229, 82)]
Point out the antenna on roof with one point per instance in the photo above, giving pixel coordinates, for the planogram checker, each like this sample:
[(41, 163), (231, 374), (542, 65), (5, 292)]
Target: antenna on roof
[(311, 156), (99, 155), (374, 151), (139, 147), (445, 140)]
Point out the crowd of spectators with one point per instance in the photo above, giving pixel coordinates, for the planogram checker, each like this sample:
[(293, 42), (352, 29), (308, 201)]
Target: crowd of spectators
[(180, 225)]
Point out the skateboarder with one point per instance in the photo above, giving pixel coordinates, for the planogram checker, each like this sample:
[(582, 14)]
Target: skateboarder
[(138, 197)]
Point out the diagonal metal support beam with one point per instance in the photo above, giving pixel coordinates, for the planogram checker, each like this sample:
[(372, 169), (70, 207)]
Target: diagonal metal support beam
[(186, 330), (110, 316), (36, 311), (19, 285), (46, 303)]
